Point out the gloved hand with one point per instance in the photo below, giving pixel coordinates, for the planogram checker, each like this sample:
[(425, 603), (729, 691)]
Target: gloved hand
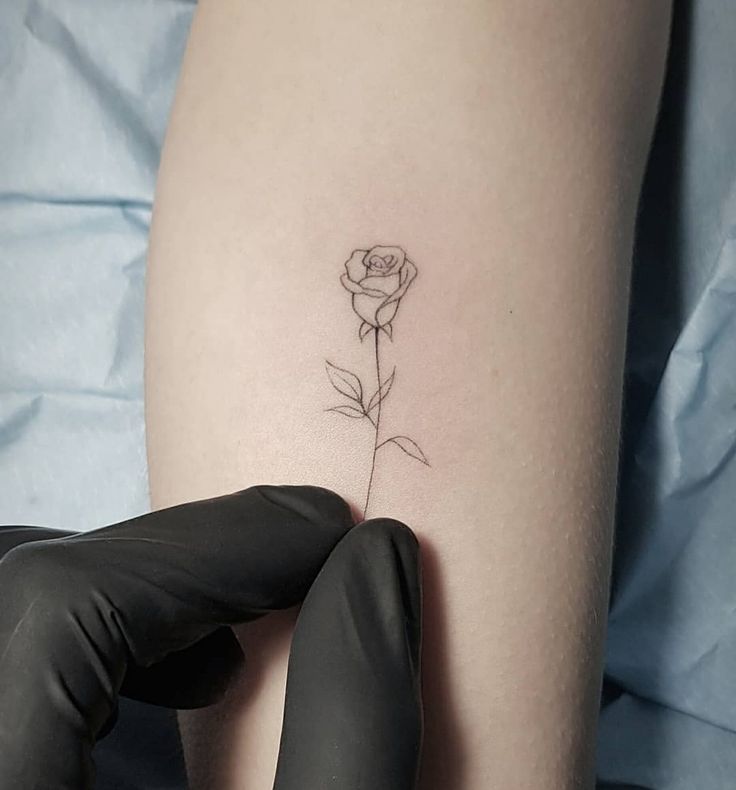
[(143, 608)]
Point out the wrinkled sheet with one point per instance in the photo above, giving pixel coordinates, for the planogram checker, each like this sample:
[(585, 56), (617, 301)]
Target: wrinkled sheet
[(85, 88), (672, 634)]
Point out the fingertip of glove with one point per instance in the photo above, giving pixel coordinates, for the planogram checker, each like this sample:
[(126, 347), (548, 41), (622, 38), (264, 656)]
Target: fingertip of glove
[(313, 503), (379, 549), (387, 530)]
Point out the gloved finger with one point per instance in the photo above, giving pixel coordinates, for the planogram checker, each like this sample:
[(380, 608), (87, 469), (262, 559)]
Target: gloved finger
[(12, 536), (194, 677), (77, 611), (353, 718)]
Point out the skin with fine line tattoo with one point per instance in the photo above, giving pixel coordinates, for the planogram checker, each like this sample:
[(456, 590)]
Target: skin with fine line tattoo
[(378, 279)]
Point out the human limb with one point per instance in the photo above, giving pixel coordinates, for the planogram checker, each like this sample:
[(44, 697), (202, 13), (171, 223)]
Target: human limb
[(502, 148)]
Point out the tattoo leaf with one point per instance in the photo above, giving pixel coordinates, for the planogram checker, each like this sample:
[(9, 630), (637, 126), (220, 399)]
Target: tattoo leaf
[(365, 328), (345, 382), (381, 392), (409, 446), (348, 411)]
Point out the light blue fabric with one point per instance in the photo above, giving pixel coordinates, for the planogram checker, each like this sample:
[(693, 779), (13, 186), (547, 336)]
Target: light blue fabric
[(85, 88), (672, 633)]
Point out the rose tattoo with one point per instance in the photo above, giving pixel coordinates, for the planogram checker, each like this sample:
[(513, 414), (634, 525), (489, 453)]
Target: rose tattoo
[(378, 279)]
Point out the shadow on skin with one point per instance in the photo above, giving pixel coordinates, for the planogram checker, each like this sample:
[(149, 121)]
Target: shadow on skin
[(444, 754)]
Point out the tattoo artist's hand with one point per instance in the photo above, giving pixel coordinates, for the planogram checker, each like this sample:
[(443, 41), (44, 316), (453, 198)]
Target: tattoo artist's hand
[(143, 608)]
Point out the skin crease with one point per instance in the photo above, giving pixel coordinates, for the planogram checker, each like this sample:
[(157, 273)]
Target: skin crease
[(502, 145)]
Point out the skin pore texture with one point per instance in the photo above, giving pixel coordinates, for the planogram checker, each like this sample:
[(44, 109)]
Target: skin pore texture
[(501, 147)]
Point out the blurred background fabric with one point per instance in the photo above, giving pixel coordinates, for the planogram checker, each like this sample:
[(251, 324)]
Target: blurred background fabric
[(669, 722), (85, 90)]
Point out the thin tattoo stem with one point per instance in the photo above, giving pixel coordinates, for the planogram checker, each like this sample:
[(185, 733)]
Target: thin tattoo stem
[(377, 280), (378, 422)]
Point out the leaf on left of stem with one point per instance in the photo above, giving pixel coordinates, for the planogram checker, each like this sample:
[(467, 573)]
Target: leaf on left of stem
[(345, 382), (348, 411)]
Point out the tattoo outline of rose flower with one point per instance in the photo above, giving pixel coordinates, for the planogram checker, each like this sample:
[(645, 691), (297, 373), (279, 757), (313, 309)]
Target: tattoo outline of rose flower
[(377, 278)]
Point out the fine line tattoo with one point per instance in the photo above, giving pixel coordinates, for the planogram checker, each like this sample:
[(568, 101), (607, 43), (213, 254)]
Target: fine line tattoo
[(377, 278)]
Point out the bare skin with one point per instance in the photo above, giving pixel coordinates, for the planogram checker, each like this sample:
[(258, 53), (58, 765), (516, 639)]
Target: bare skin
[(502, 146)]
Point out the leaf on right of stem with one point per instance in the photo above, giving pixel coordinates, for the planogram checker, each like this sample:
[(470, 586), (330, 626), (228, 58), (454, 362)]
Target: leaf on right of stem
[(409, 446), (381, 392)]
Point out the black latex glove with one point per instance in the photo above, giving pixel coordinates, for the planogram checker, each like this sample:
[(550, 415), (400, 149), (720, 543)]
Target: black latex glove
[(143, 608)]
